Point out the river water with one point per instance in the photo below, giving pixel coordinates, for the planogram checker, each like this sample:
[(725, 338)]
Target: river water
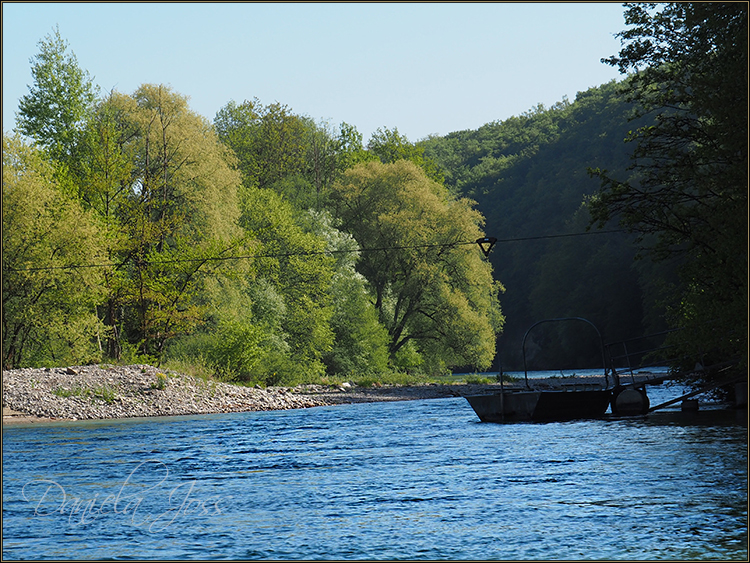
[(400, 480)]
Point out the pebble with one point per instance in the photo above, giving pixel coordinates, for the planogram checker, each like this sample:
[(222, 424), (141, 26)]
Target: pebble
[(109, 391), (106, 391)]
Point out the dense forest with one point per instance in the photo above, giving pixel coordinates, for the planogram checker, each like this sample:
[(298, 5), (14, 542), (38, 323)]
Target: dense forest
[(529, 176), (263, 247), (266, 247)]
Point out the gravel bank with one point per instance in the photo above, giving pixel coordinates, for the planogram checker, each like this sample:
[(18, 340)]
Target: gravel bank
[(106, 391), (95, 392)]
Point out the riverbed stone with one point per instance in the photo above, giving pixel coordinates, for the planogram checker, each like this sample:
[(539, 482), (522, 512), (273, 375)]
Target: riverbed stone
[(108, 391)]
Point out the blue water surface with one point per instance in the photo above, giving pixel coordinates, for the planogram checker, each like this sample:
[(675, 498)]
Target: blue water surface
[(400, 480)]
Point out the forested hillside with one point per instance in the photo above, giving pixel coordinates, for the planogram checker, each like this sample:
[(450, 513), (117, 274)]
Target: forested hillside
[(267, 247), (529, 176)]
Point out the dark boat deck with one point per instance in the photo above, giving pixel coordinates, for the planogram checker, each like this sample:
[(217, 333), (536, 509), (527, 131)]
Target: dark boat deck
[(518, 405)]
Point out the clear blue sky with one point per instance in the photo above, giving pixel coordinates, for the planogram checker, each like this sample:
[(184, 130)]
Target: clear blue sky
[(425, 68)]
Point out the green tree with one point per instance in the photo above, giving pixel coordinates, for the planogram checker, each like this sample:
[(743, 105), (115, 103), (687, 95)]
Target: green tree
[(186, 214), (167, 191), (103, 172), (360, 343), (51, 279), (430, 288), (688, 189), (350, 149), (329, 152), (390, 146), (291, 286), (269, 141), (292, 154), (321, 159), (54, 110)]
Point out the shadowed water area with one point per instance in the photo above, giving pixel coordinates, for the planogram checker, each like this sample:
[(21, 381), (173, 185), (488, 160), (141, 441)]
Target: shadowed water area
[(407, 480)]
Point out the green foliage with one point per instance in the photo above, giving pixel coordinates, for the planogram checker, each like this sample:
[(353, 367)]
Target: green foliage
[(105, 393), (231, 349), (236, 350), (164, 187), (360, 341), (390, 146), (427, 288), (409, 359), (74, 392), (132, 354), (687, 197), (288, 153), (529, 177), (190, 366), (101, 393), (160, 383), (56, 105), (291, 265), (48, 311), (350, 149), (268, 141), (474, 379)]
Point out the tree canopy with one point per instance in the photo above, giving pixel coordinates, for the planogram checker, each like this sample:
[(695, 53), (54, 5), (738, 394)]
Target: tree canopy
[(49, 243), (430, 288), (687, 191), (54, 110), (271, 248)]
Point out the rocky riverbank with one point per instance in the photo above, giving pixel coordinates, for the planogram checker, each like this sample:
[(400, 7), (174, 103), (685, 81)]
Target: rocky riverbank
[(108, 391)]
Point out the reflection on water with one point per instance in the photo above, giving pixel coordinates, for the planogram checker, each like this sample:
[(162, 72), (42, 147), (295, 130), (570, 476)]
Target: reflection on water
[(408, 480)]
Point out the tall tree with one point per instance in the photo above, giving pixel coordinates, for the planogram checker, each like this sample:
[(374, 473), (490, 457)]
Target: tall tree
[(430, 289), (167, 191), (52, 253), (186, 213), (53, 111), (688, 193), (292, 283), (269, 141), (103, 172)]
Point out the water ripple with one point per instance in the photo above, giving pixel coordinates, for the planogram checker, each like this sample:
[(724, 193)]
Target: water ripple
[(406, 480)]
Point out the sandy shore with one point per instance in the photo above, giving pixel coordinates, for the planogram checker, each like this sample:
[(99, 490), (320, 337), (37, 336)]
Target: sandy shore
[(34, 396), (14, 417)]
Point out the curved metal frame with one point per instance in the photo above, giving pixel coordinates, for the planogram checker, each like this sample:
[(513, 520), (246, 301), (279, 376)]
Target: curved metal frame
[(601, 344)]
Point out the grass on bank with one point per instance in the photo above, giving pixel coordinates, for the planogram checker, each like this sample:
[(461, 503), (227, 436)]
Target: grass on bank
[(201, 371), (273, 371)]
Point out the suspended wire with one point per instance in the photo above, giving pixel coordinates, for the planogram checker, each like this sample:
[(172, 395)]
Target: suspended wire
[(308, 253)]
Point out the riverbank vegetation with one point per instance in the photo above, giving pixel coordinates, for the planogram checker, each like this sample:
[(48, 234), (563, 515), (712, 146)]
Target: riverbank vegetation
[(265, 247), (136, 231)]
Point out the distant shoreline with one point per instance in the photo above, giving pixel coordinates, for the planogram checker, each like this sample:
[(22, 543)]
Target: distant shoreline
[(103, 392)]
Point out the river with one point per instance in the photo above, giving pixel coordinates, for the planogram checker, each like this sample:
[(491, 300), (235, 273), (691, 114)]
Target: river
[(399, 480)]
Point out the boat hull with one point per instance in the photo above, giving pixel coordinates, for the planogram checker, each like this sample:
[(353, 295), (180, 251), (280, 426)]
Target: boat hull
[(510, 406)]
